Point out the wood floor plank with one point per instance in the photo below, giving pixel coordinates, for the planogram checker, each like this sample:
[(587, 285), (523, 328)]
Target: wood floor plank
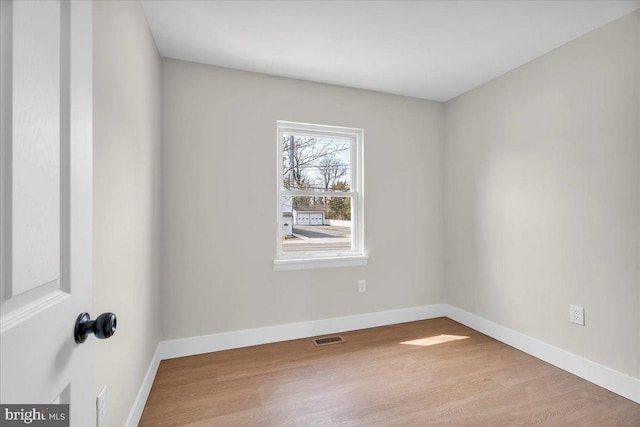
[(457, 377)]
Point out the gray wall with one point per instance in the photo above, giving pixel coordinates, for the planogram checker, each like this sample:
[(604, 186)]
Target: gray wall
[(542, 197), (219, 204), (126, 73)]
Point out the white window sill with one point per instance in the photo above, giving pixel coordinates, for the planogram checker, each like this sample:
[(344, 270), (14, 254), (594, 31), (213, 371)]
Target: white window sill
[(316, 263)]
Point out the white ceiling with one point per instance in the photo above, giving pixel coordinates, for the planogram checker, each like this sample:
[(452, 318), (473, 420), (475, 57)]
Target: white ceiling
[(426, 49)]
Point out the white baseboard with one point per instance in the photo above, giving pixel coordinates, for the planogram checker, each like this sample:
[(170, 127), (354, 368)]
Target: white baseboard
[(247, 337), (145, 388), (605, 377)]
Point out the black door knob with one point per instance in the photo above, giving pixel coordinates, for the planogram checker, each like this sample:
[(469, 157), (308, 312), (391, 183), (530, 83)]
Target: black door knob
[(103, 327)]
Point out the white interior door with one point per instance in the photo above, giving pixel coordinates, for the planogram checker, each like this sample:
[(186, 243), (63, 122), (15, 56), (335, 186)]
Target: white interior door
[(45, 196)]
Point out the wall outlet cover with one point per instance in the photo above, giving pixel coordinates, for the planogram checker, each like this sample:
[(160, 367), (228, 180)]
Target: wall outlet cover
[(362, 286), (576, 314)]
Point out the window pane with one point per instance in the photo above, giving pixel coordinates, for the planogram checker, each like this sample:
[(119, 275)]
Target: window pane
[(316, 223), (316, 163)]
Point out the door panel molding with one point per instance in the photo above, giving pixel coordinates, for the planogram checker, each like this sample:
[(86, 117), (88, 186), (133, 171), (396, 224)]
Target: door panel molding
[(23, 310), (6, 130)]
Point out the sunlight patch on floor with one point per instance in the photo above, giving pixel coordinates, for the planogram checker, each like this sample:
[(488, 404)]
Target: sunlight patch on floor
[(438, 339)]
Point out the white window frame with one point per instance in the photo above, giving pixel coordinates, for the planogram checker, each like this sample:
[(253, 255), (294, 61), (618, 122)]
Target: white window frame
[(304, 260)]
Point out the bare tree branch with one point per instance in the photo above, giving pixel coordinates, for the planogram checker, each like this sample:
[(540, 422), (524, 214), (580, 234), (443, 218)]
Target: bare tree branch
[(331, 170), (308, 154)]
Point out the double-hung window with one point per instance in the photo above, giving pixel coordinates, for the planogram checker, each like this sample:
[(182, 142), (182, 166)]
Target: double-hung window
[(319, 207)]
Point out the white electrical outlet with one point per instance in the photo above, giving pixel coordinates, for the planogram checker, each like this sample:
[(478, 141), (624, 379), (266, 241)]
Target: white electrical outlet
[(101, 406), (576, 314), (362, 286)]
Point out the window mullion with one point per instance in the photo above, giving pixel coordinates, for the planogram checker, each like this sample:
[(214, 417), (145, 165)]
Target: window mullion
[(294, 193)]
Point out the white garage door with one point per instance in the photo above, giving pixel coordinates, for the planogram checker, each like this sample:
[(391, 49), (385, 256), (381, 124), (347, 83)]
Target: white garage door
[(315, 219), (303, 219)]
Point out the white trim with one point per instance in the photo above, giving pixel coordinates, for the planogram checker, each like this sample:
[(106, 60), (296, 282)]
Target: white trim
[(270, 334), (145, 388), (315, 263), (603, 376)]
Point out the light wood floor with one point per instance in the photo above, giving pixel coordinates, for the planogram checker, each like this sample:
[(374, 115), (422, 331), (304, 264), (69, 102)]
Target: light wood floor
[(375, 380)]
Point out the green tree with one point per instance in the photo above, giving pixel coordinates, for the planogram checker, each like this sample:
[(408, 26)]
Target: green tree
[(339, 207)]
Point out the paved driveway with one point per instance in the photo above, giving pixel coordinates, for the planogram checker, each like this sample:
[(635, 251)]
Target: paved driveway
[(321, 231), (318, 237)]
